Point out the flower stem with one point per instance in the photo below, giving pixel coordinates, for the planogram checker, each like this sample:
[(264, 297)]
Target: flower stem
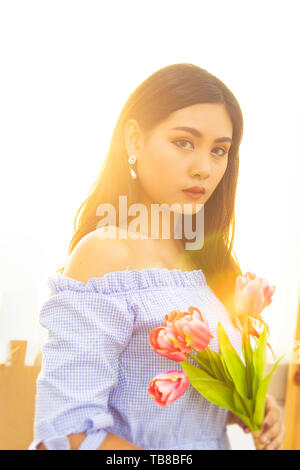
[(194, 358), (246, 341)]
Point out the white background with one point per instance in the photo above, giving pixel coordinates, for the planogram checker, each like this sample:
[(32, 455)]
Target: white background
[(67, 68)]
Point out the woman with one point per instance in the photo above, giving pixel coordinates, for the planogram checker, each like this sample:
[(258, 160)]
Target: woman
[(181, 128)]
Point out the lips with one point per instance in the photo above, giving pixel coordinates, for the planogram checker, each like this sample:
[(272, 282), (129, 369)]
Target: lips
[(195, 189), (194, 193)]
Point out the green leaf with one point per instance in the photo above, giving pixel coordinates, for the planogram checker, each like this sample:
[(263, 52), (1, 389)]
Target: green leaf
[(243, 407), (247, 350), (226, 371), (246, 403), (204, 362), (213, 390), (217, 366), (253, 378), (258, 415), (235, 365), (259, 360), (247, 353)]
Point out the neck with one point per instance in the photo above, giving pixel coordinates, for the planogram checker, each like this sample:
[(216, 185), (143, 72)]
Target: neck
[(156, 221)]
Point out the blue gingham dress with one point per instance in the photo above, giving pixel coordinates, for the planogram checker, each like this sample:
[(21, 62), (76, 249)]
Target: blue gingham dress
[(97, 362)]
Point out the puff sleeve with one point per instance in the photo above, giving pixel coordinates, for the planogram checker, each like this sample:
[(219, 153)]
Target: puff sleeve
[(87, 332)]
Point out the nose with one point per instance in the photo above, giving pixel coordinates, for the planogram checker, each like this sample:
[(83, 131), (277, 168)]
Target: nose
[(201, 166)]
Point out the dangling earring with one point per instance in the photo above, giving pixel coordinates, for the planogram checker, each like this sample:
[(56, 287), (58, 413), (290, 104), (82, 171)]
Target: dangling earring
[(132, 160)]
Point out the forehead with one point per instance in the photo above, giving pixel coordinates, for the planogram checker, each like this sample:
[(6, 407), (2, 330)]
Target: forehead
[(210, 118)]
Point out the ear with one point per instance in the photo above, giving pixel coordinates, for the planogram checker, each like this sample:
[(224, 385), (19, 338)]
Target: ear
[(133, 137)]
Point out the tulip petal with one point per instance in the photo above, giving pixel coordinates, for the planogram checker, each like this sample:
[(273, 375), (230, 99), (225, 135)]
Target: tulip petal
[(167, 387)]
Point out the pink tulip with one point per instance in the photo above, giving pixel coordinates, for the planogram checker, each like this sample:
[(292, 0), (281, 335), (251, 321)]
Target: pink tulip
[(252, 294), (165, 342), (190, 327), (167, 387)]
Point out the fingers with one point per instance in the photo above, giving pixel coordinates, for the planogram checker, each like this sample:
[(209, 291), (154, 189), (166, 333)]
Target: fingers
[(277, 442), (272, 414), (273, 428), (272, 434), (242, 425), (270, 403), (234, 419)]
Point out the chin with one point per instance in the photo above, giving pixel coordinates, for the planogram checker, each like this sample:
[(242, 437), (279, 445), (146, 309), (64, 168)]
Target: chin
[(190, 208)]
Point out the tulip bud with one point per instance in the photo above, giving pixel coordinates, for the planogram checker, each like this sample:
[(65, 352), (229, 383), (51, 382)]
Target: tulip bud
[(167, 387)]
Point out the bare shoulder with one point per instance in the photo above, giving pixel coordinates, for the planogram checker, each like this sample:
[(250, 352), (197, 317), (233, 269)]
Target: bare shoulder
[(97, 253)]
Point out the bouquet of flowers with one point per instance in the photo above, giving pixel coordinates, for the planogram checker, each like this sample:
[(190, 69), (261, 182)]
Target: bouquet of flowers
[(223, 378)]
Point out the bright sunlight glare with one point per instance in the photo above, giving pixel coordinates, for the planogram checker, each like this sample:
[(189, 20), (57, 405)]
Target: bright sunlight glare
[(67, 70)]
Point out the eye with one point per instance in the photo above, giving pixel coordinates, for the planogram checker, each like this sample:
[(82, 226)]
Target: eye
[(182, 140), (224, 151), (189, 142)]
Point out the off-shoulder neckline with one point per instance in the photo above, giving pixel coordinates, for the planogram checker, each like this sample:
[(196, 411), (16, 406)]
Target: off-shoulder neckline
[(129, 280)]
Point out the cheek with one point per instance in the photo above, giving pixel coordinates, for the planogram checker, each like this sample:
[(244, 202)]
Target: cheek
[(160, 173), (219, 172), (160, 164)]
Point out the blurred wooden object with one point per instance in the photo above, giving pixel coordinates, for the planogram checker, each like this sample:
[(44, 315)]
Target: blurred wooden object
[(292, 400), (17, 398), (18, 390)]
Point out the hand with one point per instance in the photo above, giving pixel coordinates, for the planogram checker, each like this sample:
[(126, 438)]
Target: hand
[(233, 419), (273, 427)]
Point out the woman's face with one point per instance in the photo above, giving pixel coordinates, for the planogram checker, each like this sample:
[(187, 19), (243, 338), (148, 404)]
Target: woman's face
[(170, 160)]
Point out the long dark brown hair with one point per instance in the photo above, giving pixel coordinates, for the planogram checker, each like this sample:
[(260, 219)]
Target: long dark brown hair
[(169, 89)]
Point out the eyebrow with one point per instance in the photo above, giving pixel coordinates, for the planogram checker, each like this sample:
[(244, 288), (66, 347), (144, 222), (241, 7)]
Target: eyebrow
[(195, 132)]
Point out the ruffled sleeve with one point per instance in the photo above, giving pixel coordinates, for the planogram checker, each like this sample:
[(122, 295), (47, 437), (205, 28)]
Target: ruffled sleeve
[(87, 332)]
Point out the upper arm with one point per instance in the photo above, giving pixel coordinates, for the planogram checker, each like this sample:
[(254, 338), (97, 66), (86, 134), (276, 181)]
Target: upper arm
[(94, 257)]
